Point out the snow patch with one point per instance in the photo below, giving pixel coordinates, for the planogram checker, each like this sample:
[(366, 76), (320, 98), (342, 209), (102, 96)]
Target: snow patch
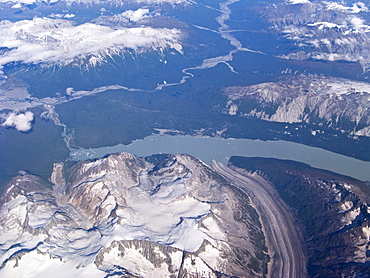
[(347, 205), (93, 164), (17, 6), (233, 109), (212, 229), (322, 25), (356, 7), (350, 216), (35, 264), (163, 218), (212, 256), (295, 2), (41, 216), (197, 268), (366, 231), (97, 2)]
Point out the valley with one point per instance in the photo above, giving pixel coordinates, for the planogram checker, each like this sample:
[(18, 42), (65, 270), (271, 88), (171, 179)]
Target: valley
[(284, 244), (181, 138), (331, 211), (159, 216)]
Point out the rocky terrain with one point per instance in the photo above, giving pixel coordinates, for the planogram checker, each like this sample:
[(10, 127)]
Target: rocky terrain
[(123, 216), (323, 102), (332, 211), (283, 239), (322, 30)]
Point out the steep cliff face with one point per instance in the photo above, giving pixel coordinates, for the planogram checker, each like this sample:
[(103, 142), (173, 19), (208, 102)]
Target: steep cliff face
[(322, 101), (162, 216), (333, 213)]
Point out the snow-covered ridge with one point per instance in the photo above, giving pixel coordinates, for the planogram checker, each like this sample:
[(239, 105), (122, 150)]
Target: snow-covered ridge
[(324, 30), (166, 215), (19, 3), (59, 41), (307, 99), (338, 6)]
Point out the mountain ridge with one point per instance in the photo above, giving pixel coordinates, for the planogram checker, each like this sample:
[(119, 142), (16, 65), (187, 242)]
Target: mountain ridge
[(104, 216)]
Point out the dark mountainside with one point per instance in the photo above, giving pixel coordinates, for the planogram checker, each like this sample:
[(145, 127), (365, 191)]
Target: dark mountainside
[(331, 210)]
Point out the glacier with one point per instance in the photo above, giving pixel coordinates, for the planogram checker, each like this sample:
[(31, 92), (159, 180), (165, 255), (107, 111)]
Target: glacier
[(155, 217)]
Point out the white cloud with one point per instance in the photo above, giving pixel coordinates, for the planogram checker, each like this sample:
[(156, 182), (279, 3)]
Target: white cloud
[(60, 41), (21, 121), (137, 15), (357, 23), (126, 18)]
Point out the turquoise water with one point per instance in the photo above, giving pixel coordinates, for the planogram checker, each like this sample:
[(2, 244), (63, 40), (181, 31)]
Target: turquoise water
[(210, 148)]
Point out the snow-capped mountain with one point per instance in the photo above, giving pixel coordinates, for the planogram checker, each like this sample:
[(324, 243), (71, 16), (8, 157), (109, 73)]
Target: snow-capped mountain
[(323, 101), (19, 3), (162, 216), (324, 30), (49, 41)]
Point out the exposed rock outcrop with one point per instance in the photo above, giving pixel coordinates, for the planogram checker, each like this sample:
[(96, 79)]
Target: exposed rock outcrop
[(162, 216), (322, 101), (333, 213)]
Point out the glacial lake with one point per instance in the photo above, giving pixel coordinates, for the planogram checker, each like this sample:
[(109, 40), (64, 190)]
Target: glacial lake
[(210, 148)]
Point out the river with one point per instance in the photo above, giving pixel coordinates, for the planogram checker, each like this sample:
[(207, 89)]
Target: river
[(210, 148)]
